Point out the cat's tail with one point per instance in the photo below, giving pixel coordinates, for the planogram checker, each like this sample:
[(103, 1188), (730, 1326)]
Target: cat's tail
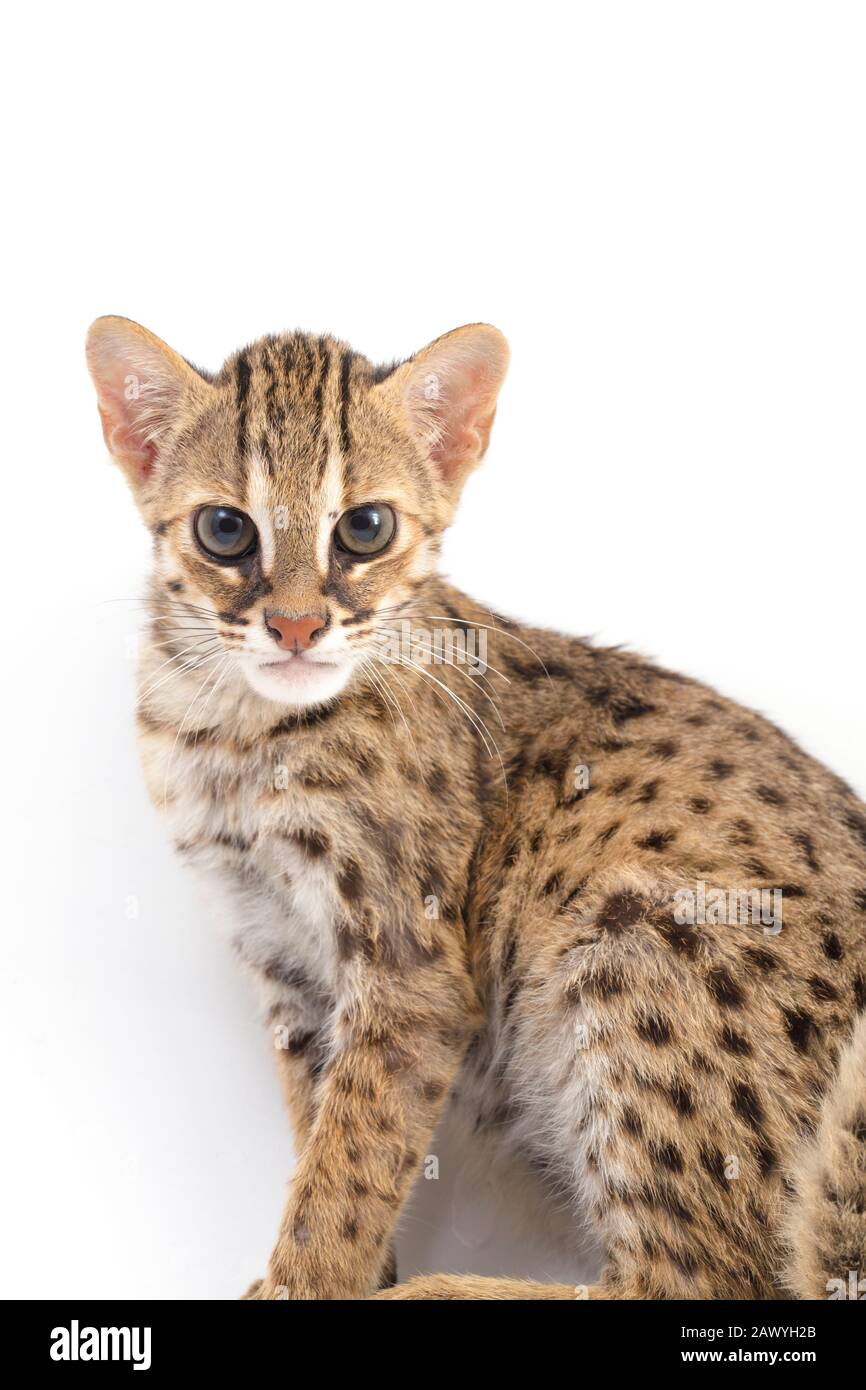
[(827, 1222)]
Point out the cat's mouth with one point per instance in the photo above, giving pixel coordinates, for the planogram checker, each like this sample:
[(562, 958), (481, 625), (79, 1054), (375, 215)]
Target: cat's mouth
[(301, 679), (294, 663)]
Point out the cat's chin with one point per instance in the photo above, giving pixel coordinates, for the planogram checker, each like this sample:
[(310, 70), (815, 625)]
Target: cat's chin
[(297, 681)]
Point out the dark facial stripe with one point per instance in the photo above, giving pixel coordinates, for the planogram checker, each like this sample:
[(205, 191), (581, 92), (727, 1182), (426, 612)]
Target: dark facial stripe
[(319, 395), (345, 376), (259, 588), (291, 359), (271, 408), (242, 387), (319, 429)]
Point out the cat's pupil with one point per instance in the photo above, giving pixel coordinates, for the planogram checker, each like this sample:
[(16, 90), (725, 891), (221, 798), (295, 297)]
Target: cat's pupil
[(228, 527), (365, 524)]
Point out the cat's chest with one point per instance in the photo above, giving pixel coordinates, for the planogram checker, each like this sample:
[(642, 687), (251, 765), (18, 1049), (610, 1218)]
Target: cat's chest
[(281, 914), (243, 823)]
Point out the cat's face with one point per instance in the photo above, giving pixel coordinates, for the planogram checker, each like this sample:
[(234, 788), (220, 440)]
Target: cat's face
[(296, 499)]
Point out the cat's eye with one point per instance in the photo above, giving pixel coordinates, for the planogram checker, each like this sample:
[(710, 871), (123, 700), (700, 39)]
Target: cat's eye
[(365, 530), (225, 534)]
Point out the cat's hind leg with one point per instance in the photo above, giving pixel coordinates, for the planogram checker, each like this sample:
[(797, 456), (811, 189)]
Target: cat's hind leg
[(647, 1066)]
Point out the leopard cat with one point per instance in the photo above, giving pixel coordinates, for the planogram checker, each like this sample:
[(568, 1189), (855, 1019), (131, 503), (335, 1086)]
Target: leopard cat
[(465, 883)]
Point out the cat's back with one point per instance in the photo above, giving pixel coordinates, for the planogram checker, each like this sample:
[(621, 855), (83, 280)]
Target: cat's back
[(620, 772)]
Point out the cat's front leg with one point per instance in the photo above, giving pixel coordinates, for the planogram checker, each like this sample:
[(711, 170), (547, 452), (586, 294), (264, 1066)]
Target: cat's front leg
[(405, 1020)]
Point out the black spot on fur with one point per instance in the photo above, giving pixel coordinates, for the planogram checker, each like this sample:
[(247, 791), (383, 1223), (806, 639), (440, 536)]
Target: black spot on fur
[(532, 674), (632, 1121), (803, 840), (657, 840), (724, 988), (757, 867), (286, 974), (511, 853), (662, 1197), (654, 1029), (621, 910), (770, 796), (668, 1155), (832, 946), (735, 1042), (681, 937), (720, 769), (792, 890), (684, 1260), (647, 793), (302, 719), (235, 842), (568, 903), (602, 984), (680, 1098), (351, 882), (624, 710), (766, 1159), (747, 1104), (699, 805), (713, 1162), (313, 844), (744, 832), (350, 1229), (664, 749), (800, 1028), (599, 695), (822, 989), (764, 960)]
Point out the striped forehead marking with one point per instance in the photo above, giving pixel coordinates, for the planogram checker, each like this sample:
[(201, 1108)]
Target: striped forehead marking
[(315, 371)]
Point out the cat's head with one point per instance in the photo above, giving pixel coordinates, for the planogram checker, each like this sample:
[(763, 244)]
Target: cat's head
[(298, 497)]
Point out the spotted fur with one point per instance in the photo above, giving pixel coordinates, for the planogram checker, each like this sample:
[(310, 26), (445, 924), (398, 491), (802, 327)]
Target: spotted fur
[(440, 909)]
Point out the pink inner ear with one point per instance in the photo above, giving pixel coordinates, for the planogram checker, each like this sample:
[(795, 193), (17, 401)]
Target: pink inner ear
[(465, 414), (143, 460), (137, 456)]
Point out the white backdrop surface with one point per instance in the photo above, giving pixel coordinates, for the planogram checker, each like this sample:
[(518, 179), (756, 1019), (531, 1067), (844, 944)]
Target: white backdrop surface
[(663, 207)]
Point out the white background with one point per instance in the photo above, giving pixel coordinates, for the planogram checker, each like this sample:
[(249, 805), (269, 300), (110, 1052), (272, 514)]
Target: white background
[(662, 205)]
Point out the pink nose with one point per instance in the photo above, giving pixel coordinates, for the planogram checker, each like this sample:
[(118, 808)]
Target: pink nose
[(295, 634)]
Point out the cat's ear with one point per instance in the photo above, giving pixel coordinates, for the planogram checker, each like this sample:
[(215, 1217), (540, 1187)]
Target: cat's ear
[(448, 392), (141, 387)]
